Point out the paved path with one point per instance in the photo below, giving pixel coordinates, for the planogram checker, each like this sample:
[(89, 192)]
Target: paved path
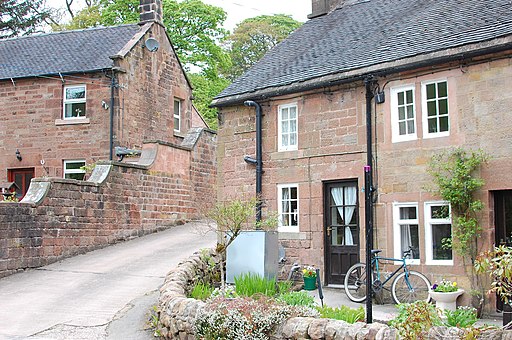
[(104, 294)]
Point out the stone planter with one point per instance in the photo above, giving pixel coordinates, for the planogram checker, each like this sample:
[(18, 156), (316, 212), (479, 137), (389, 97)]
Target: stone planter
[(253, 251), (446, 300)]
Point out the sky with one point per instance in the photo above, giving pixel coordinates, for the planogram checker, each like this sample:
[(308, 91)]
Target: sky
[(237, 10)]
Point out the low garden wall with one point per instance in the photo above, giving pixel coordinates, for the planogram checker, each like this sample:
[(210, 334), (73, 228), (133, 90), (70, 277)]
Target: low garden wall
[(177, 313)]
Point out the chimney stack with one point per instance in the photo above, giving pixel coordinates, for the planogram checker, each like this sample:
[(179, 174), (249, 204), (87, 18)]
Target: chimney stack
[(150, 11), (322, 7)]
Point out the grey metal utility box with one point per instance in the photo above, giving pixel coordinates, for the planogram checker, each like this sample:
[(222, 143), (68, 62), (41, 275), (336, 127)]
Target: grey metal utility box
[(253, 251)]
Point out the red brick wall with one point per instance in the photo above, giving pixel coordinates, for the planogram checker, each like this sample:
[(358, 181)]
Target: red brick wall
[(77, 216)]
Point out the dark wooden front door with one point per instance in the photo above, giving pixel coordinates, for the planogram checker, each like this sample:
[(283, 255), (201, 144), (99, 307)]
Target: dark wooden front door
[(341, 229), (22, 178)]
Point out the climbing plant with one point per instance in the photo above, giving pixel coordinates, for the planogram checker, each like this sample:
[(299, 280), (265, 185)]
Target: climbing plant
[(456, 180)]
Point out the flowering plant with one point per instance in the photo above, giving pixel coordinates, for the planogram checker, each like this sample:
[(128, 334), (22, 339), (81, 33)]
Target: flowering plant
[(309, 271), (445, 286)]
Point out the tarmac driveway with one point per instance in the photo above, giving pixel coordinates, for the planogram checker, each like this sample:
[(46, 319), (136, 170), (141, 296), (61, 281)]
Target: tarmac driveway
[(104, 294)]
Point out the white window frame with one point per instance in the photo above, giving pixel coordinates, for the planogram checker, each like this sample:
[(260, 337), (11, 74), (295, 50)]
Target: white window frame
[(396, 137), (73, 101), (424, 108), (72, 171), (281, 227), (429, 221), (177, 116), (282, 147), (397, 222)]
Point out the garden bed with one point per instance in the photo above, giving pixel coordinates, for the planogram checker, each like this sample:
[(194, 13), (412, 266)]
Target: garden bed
[(178, 314)]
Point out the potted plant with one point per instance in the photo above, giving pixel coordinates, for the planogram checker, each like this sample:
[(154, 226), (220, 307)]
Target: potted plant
[(446, 293), (309, 276), (498, 264)]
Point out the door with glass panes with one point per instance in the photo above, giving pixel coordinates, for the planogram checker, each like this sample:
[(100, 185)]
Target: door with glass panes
[(341, 229)]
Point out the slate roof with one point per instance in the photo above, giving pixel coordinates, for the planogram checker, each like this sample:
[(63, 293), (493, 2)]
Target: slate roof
[(63, 52), (364, 33)]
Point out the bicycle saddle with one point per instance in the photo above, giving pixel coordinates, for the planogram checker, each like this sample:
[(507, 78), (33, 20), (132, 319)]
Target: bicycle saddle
[(376, 251)]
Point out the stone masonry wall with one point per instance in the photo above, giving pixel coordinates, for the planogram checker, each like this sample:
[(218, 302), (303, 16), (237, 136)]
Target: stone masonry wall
[(74, 217)]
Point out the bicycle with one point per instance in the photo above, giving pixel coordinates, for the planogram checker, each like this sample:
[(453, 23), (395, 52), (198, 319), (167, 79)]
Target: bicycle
[(407, 287)]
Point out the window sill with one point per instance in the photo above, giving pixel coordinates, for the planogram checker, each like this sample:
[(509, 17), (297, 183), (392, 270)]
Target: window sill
[(290, 235), (179, 134), (75, 121)]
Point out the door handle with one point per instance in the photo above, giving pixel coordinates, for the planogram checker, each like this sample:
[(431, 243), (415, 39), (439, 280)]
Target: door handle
[(329, 229)]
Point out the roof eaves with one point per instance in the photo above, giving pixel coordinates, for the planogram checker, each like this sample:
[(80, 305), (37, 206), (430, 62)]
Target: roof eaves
[(441, 56), (44, 75)]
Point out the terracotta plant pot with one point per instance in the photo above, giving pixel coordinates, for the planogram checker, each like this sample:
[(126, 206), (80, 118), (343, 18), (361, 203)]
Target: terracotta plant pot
[(309, 283), (446, 300)]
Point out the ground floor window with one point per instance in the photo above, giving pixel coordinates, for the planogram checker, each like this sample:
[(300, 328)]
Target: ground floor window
[(406, 230), (73, 169), (438, 229), (288, 207)]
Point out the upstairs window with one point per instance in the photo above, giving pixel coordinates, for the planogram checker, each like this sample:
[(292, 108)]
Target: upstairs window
[(177, 115), (435, 109), (287, 127), (403, 113), (74, 102), (73, 169), (288, 207)]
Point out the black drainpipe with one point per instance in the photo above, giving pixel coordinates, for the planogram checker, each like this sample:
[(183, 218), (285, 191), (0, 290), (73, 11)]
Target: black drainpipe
[(113, 86), (368, 195), (259, 160)]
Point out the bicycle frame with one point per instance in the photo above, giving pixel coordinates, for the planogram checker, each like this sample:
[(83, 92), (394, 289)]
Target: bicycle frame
[(375, 265)]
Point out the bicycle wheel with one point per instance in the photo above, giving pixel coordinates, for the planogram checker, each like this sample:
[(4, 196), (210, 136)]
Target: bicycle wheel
[(355, 283), (419, 284)]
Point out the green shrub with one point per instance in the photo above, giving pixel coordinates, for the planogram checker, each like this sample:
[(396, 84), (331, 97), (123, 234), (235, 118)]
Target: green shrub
[(244, 318), (297, 298), (415, 319), (284, 286), (462, 317), (201, 291), (344, 313), (249, 284)]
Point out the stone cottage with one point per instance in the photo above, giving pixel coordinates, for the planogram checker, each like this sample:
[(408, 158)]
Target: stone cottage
[(422, 77), (68, 99)]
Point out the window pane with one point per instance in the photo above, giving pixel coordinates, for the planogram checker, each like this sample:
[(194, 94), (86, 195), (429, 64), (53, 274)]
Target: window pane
[(293, 139), (409, 237), (439, 233), (284, 114), (410, 126), (337, 219), (293, 126), (443, 124), (409, 97), (75, 93), (284, 140), (285, 126), (440, 212), (293, 112), (79, 177), (177, 106), (176, 124), (410, 111), (74, 110), (431, 91), (432, 125), (443, 106), (400, 98), (408, 213), (401, 113), (74, 165), (401, 129), (294, 193), (442, 89), (431, 108)]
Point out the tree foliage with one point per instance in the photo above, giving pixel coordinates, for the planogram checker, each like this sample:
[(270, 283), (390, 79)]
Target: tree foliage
[(20, 17), (205, 89), (254, 37)]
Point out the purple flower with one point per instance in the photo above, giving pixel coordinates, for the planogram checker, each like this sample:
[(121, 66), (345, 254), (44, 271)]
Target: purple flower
[(434, 286)]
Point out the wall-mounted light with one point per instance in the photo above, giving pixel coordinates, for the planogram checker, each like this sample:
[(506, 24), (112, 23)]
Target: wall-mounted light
[(18, 155)]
